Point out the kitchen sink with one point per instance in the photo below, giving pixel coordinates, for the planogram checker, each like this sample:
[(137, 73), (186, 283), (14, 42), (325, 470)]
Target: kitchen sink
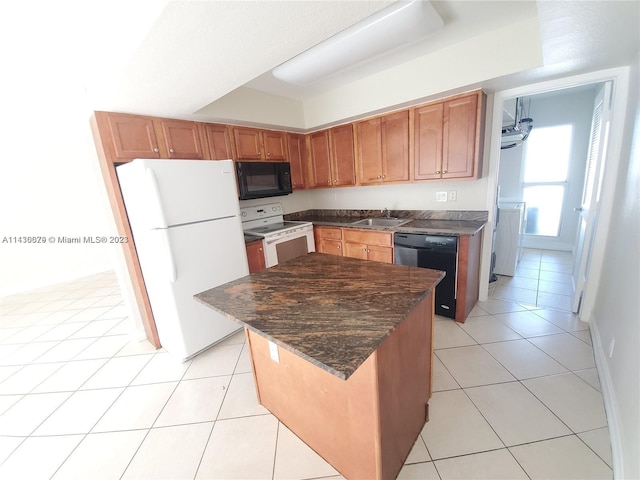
[(382, 222)]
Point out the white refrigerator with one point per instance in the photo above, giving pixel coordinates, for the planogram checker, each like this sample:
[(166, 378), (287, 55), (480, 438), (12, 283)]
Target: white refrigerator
[(185, 220)]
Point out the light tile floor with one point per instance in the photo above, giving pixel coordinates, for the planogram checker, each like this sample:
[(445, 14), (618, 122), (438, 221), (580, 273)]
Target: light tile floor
[(516, 395)]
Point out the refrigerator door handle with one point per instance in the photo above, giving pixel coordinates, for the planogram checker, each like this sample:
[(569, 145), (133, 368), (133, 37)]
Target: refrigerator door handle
[(155, 192), (171, 265)]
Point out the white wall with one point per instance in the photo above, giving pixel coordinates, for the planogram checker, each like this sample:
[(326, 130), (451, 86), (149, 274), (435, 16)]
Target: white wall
[(567, 107), (49, 183), (616, 312)]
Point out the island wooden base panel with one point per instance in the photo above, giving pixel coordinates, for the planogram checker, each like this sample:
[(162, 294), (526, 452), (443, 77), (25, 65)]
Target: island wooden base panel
[(364, 426)]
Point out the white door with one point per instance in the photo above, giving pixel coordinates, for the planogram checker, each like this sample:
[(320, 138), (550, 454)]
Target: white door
[(588, 210)]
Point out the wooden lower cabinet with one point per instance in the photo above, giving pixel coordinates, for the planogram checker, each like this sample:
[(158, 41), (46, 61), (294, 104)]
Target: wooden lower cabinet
[(355, 243), (255, 256), (328, 240), (468, 285)]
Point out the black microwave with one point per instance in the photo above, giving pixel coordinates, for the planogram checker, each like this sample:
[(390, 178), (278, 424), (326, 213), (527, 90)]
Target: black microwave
[(263, 179)]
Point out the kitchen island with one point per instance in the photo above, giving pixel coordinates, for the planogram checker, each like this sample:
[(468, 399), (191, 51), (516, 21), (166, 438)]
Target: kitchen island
[(341, 351)]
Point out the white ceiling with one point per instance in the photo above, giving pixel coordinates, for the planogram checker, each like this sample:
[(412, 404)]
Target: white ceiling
[(180, 60)]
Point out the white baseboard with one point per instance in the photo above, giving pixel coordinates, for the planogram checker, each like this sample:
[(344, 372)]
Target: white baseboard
[(610, 402)]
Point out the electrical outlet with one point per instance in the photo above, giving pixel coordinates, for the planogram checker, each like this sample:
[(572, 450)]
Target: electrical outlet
[(273, 352), (441, 196), (453, 195)]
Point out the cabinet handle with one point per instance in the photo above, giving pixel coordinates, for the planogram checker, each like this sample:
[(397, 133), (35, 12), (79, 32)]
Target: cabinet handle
[(329, 181), (335, 181), (268, 154), (171, 150), (438, 172), (260, 249), (368, 251), (156, 150), (339, 246), (444, 171), (384, 176)]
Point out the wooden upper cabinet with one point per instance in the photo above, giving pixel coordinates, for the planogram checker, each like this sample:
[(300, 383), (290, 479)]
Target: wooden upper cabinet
[(248, 143), (320, 159), (382, 149), (131, 136), (255, 144), (274, 145), (459, 137), (449, 138), (296, 151), (182, 139), (343, 162), (428, 142), (219, 141)]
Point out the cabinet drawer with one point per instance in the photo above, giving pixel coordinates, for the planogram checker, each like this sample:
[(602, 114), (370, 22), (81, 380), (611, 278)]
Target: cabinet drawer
[(329, 233), (368, 237)]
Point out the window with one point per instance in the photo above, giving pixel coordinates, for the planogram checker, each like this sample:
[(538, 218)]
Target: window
[(545, 177)]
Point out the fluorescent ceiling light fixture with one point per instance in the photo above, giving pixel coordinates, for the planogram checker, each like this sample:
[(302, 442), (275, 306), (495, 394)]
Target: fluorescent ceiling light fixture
[(399, 24)]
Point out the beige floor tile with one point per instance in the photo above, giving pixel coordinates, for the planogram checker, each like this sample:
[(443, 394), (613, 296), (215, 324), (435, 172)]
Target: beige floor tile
[(590, 375), (494, 465), (555, 287), (117, 372), (561, 458), (96, 328), (518, 282), (447, 333), (523, 360), (419, 452), (216, 361), (244, 361), (456, 427), (494, 306), (573, 400), (527, 272), (566, 320), (442, 379), (170, 452), (29, 334), (101, 456), (161, 368), (28, 413), (514, 294), (227, 453), (7, 446), (26, 354), (471, 366), (515, 414), (419, 471), (237, 338), (135, 347), (65, 351), (197, 400), (599, 441), (567, 349), (584, 335), (546, 266), (528, 324), (60, 332), (552, 276), (38, 457), (488, 329), (79, 413), (7, 401), (25, 379), (241, 399), (104, 347), (556, 301), (295, 460), (136, 408), (70, 376), (88, 314)]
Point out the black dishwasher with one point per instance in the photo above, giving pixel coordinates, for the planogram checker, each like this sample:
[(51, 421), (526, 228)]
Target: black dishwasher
[(438, 253)]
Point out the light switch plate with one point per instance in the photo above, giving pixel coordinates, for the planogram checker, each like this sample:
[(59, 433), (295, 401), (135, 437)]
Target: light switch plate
[(273, 352), (441, 196)]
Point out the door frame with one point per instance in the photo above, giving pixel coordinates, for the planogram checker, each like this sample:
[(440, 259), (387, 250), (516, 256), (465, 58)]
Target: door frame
[(620, 80)]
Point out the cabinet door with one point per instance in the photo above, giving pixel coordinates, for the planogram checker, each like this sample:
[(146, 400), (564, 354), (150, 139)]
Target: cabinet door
[(368, 237), (459, 137), (369, 151), (380, 254), (219, 141), (356, 250), (428, 142), (320, 159), (255, 256), (395, 147), (248, 144), (182, 139), (332, 247), (132, 137), (343, 162), (274, 146), (297, 152)]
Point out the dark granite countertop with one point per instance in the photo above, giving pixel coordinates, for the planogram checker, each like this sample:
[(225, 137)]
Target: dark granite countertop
[(333, 311), (248, 238)]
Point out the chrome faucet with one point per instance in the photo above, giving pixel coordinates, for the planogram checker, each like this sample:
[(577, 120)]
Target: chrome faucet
[(386, 212)]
